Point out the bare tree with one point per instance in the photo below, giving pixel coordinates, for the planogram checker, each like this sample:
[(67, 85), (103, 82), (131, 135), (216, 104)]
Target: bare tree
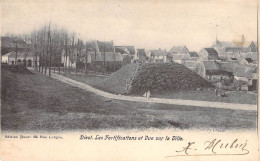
[(49, 43)]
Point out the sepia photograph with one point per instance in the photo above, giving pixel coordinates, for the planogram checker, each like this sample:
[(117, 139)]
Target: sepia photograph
[(130, 67)]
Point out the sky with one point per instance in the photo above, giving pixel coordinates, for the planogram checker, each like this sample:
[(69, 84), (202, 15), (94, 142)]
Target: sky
[(150, 24)]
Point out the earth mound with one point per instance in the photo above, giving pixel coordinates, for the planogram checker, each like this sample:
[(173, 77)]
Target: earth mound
[(139, 78)]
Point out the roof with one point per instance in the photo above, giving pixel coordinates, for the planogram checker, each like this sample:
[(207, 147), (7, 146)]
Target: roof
[(121, 49), (234, 49), (101, 46), (229, 67), (19, 54), (191, 65), (109, 56), (252, 55), (141, 51), (11, 42), (105, 46), (221, 52), (249, 60), (158, 53), (244, 72), (212, 65), (215, 68), (238, 69), (211, 51), (178, 49), (131, 49), (193, 54), (180, 56), (249, 43)]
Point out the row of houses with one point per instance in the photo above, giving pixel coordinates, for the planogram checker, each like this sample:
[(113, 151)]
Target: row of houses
[(240, 51), (181, 54), (230, 74), (221, 61)]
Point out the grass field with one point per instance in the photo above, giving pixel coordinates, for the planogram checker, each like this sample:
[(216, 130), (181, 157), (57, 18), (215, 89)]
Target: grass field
[(89, 79), (241, 97), (34, 102)]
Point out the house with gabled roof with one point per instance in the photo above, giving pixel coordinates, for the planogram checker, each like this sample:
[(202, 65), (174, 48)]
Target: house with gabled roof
[(158, 56), (193, 54), (252, 47), (247, 75), (208, 54), (182, 49), (125, 50), (102, 54), (181, 58), (213, 71)]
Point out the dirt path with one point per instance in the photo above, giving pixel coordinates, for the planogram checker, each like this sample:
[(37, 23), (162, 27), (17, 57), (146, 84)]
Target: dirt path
[(156, 100)]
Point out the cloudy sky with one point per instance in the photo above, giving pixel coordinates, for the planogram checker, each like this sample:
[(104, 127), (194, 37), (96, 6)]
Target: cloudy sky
[(149, 24)]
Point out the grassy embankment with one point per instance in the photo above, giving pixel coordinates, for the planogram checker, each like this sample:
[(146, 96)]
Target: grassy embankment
[(34, 102), (165, 81)]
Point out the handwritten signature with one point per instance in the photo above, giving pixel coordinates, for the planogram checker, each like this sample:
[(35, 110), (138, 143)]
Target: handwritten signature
[(214, 147)]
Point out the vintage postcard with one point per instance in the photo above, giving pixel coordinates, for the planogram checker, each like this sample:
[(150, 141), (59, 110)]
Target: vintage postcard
[(129, 80)]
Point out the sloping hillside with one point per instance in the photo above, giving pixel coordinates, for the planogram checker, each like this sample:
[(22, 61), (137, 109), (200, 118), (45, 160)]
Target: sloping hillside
[(120, 81), (138, 78)]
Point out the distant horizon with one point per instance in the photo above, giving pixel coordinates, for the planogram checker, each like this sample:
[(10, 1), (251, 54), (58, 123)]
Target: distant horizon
[(115, 44), (148, 24)]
